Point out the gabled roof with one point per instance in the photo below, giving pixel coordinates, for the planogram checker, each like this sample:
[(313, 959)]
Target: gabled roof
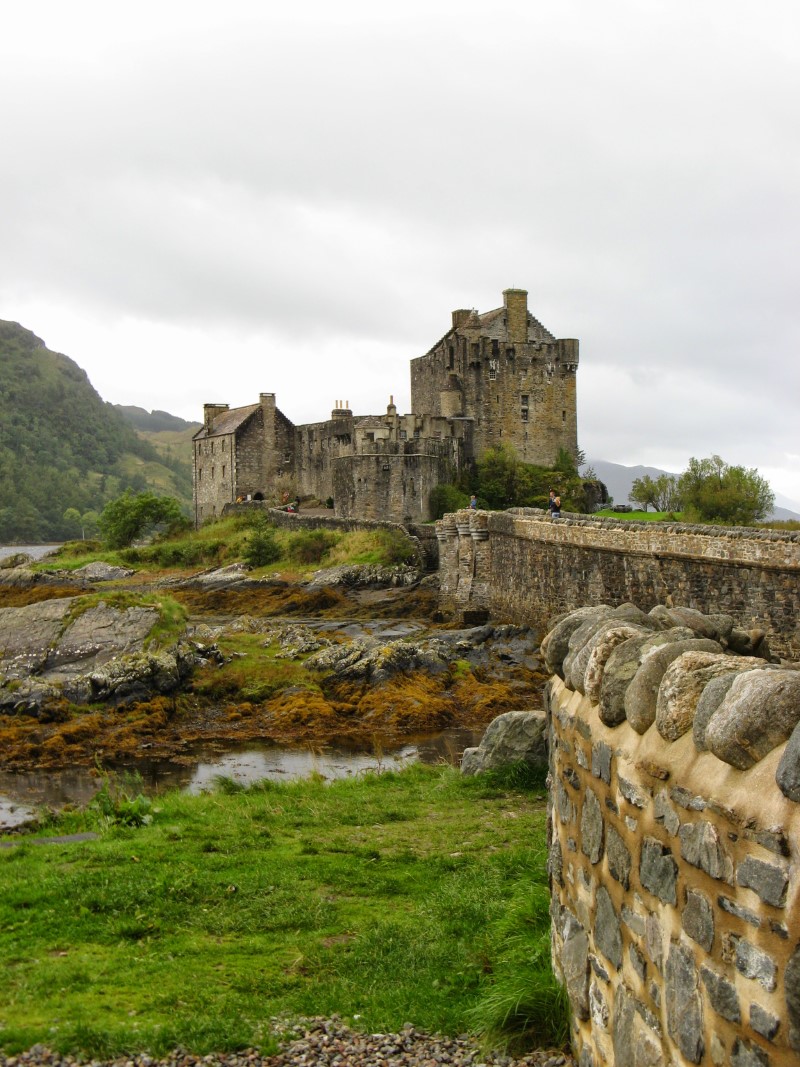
[(536, 331), (227, 422)]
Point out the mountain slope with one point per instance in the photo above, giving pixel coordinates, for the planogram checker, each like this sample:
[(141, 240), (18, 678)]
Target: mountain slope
[(61, 445)]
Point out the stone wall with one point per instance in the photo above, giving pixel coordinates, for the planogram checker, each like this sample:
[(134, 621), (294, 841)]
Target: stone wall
[(674, 829), (531, 569)]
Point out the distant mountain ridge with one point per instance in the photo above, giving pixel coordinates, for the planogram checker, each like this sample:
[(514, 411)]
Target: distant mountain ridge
[(619, 480), (63, 447), (155, 421)]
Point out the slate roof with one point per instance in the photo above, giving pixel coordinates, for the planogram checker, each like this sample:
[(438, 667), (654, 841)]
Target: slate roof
[(227, 422)]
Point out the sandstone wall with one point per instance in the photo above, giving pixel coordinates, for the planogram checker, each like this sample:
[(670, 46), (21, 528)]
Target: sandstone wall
[(674, 841), (532, 569)]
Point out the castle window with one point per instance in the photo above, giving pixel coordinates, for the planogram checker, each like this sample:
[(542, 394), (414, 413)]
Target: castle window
[(223, 470), (524, 414), (199, 474), (369, 436), (212, 474), (212, 448), (451, 358), (476, 348), (492, 370), (403, 434), (563, 416), (495, 348), (416, 434)]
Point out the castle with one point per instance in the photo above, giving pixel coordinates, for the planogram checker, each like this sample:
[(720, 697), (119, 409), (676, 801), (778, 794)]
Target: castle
[(494, 378)]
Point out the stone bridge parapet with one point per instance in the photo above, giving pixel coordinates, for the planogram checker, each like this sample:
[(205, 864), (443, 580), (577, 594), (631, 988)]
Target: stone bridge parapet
[(529, 568)]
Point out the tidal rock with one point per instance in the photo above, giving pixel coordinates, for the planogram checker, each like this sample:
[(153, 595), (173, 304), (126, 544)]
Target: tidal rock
[(760, 711), (102, 572), (516, 736), (27, 634), (376, 661), (641, 695), (683, 683), (366, 575)]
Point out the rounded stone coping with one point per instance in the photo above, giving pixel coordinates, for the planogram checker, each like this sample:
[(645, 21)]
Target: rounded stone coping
[(752, 794)]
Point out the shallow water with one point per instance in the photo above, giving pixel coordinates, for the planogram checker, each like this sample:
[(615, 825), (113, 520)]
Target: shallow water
[(22, 792), (37, 551)]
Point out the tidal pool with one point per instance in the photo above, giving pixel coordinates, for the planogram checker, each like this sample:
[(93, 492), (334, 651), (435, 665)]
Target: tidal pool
[(22, 793)]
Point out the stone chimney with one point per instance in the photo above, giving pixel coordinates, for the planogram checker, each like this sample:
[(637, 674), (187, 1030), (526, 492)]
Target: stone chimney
[(342, 410), (515, 302), (460, 317), (210, 412)]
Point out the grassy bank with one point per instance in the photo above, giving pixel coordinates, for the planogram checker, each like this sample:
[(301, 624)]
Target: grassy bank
[(415, 896)]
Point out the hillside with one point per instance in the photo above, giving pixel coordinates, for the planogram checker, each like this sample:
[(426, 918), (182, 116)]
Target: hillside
[(62, 446)]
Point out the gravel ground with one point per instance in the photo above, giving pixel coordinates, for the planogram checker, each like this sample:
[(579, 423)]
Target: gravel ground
[(324, 1043)]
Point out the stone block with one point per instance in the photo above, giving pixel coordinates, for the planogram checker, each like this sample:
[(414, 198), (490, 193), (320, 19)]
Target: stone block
[(601, 761), (697, 918), (791, 984), (683, 684), (592, 828), (683, 1003), (641, 696), (754, 963), (658, 871), (618, 856), (665, 813), (722, 995), (702, 846), (607, 931), (745, 1054), (764, 1022)]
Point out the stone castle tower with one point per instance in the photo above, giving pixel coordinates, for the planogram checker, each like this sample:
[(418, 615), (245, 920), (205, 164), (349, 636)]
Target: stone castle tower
[(507, 374)]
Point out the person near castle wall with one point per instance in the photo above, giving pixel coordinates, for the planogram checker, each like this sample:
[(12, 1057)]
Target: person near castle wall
[(554, 505), (473, 502)]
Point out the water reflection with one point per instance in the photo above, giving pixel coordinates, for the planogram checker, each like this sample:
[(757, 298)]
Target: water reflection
[(22, 792)]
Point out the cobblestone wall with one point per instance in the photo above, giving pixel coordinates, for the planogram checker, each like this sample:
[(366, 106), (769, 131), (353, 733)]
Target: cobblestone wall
[(532, 569), (674, 841)]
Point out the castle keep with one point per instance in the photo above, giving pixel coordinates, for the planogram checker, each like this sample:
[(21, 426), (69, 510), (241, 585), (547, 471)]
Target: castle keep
[(494, 378)]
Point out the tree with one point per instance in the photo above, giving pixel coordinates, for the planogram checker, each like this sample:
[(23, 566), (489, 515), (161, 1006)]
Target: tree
[(662, 492), (713, 491), (72, 522), (128, 517)]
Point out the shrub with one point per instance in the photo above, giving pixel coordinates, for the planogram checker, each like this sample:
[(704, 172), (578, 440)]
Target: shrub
[(261, 547), (397, 547), (310, 546), (446, 498)]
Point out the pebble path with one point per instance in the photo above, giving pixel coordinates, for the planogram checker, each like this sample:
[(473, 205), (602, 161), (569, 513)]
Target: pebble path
[(322, 1042)]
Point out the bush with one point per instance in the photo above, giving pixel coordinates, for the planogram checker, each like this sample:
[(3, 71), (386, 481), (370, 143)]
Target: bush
[(397, 547), (445, 499), (311, 546), (261, 547)]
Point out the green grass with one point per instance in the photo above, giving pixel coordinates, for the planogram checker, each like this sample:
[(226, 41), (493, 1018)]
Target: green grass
[(640, 516), (389, 898), (226, 540)]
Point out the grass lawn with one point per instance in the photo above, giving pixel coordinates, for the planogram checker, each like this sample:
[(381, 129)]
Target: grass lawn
[(640, 516), (415, 896)]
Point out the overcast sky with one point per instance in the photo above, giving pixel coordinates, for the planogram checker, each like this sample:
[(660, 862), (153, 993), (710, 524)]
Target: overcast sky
[(204, 201)]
